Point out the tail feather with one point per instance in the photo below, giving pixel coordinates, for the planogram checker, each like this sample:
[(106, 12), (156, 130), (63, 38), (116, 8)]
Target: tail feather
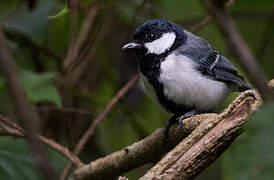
[(244, 86)]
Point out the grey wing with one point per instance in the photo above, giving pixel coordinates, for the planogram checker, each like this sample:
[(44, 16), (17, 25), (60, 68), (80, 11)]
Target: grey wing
[(223, 70), (210, 62)]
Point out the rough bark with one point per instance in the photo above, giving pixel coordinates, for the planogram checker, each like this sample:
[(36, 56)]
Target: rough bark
[(139, 153), (191, 156), (205, 127)]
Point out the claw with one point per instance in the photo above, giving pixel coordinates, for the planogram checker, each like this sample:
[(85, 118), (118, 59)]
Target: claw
[(181, 121), (187, 115), (172, 121)]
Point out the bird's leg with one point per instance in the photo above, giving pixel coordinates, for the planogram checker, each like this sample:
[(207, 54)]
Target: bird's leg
[(172, 120), (187, 115)]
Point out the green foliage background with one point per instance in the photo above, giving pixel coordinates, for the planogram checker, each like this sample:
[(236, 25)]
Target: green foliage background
[(135, 116)]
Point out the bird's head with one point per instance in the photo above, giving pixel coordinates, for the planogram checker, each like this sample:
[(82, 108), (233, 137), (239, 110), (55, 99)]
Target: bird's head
[(156, 36)]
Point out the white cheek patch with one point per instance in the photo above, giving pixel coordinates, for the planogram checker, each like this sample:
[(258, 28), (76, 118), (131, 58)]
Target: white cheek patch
[(162, 44)]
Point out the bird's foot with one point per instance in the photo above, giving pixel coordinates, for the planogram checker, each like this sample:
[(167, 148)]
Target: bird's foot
[(172, 121), (181, 120), (187, 115), (165, 133)]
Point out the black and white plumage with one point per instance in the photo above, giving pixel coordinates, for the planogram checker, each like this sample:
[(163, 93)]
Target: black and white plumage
[(187, 76)]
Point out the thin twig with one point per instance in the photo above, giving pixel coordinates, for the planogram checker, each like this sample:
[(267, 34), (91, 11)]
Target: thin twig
[(11, 128), (7, 121), (62, 150), (72, 32), (103, 114), (99, 118), (202, 24), (70, 61), (8, 131), (207, 19)]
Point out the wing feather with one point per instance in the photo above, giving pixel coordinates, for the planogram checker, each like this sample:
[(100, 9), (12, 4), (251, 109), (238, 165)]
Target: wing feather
[(210, 62), (225, 71)]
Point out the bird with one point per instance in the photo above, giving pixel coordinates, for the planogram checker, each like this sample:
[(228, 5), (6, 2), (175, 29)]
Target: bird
[(182, 71)]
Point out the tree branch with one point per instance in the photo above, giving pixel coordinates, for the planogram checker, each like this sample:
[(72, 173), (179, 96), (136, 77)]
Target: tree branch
[(207, 142), (151, 148), (139, 153), (12, 129)]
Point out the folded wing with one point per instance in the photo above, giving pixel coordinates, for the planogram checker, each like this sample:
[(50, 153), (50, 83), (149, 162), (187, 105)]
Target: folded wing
[(210, 62)]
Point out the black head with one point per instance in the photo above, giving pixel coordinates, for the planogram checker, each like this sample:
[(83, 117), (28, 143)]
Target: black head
[(157, 36)]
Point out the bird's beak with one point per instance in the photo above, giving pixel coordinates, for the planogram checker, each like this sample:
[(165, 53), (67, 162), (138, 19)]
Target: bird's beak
[(131, 45)]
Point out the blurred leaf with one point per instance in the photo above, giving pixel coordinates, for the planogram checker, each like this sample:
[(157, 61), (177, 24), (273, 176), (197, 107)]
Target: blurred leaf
[(39, 87), (33, 24), (251, 156), (16, 160)]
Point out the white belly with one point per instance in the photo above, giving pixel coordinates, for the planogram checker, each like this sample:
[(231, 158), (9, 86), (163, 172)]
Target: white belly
[(185, 85)]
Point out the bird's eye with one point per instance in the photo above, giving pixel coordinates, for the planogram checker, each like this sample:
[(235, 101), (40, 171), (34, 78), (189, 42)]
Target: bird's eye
[(151, 35)]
